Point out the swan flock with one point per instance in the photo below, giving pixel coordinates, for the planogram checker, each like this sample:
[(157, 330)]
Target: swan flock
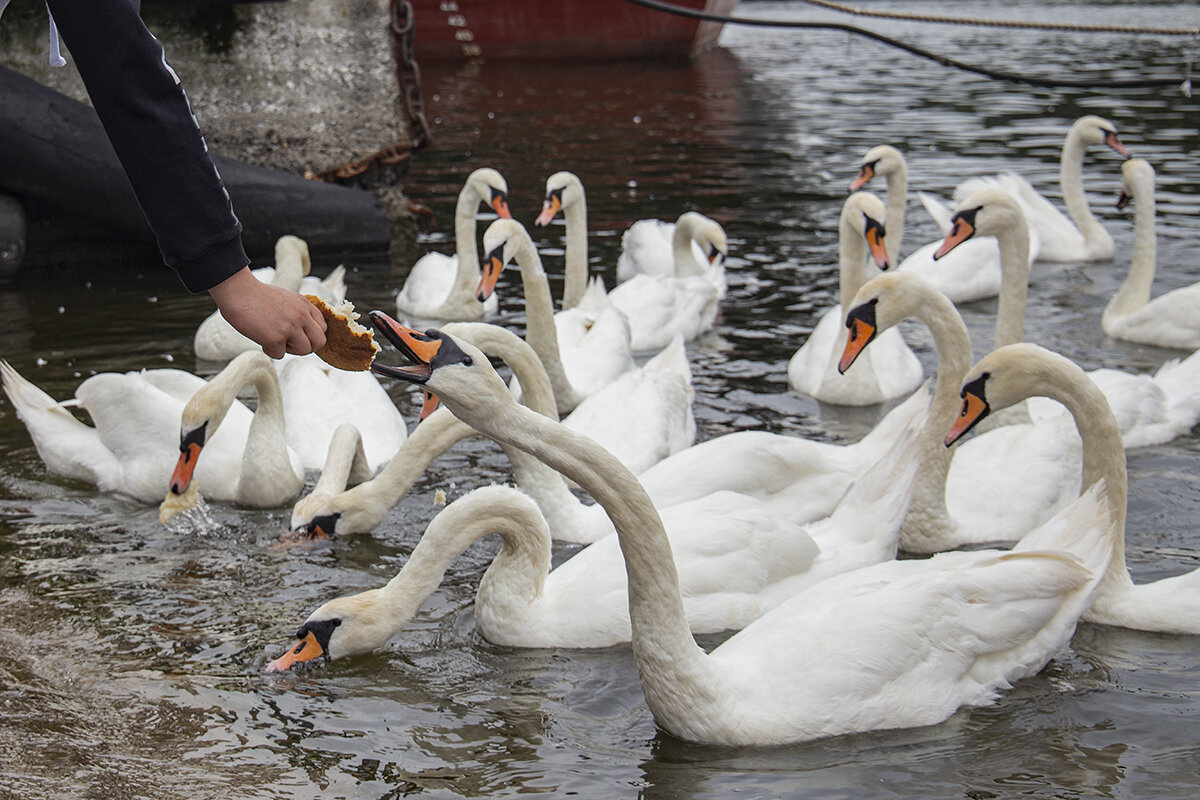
[(1003, 479)]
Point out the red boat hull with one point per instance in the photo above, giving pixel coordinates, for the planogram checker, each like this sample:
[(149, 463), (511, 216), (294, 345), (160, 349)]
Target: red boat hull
[(559, 30)]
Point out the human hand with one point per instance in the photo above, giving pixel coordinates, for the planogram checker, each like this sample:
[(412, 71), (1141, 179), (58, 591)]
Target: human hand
[(279, 320)]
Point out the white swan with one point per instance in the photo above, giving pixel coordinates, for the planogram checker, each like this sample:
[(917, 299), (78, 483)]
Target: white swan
[(797, 479), (964, 496), (971, 272), (660, 249), (892, 371), (734, 561), (1169, 320), (317, 398), (1150, 410), (440, 287), (687, 300), (579, 361), (897, 644), (565, 194), (1014, 373), (264, 472), (133, 442), (1082, 237), (216, 340)]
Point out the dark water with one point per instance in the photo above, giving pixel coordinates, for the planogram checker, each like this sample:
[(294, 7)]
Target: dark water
[(131, 655)]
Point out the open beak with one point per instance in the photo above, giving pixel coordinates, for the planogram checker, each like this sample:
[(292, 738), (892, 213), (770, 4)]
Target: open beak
[(416, 347), (1112, 140), (960, 231), (492, 266), (974, 408), (861, 334), (306, 649), (550, 209), (865, 173)]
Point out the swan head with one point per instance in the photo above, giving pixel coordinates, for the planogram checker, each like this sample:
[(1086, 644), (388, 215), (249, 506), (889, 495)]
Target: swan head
[(862, 215), (692, 226), (456, 371), (1005, 377), (882, 160), (502, 241), (882, 302), (1137, 179), (487, 185), (563, 189), (204, 412), (1093, 130), (988, 212), (292, 249), (345, 626)]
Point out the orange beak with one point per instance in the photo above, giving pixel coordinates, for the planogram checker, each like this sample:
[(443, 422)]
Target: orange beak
[(305, 650), (500, 204), (861, 334), (960, 231), (875, 244), (974, 408), (429, 406), (550, 209), (865, 173), (181, 478), (1111, 139), (490, 275), (417, 347)]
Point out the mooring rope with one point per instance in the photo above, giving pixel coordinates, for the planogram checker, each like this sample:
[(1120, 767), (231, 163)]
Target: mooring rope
[(1184, 83)]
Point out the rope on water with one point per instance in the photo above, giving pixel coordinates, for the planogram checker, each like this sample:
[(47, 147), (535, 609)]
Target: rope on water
[(1071, 27), (1183, 83)]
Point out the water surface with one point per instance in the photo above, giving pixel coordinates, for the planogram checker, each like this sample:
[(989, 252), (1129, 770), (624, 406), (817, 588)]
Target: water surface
[(131, 654)]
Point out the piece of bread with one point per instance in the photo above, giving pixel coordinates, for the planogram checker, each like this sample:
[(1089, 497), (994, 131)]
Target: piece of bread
[(348, 345)]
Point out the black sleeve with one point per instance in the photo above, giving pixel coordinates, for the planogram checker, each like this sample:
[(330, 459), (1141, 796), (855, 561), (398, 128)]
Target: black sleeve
[(149, 121)]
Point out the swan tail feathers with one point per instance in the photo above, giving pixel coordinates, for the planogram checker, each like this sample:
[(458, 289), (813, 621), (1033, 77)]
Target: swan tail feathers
[(335, 282), (938, 211), (1180, 379)]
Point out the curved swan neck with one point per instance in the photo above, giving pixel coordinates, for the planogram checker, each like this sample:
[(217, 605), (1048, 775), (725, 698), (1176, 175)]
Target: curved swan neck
[(540, 330), (662, 641), (371, 500), (1136, 288), (853, 271), (575, 277), (1103, 450), (686, 264), (1014, 285), (465, 209), (1070, 179), (518, 571), (896, 203), (953, 345)]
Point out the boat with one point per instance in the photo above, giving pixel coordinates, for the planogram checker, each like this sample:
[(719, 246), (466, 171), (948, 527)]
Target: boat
[(560, 30)]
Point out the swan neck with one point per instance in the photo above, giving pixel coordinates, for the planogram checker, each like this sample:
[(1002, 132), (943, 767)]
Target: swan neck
[(575, 277), (853, 270), (1070, 179), (953, 345), (1136, 288), (684, 255), (895, 203), (666, 653), (466, 278), (1103, 451), (540, 330), (1014, 286)]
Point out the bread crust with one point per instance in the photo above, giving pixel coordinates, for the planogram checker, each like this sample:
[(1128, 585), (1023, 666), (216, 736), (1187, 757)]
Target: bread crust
[(348, 345)]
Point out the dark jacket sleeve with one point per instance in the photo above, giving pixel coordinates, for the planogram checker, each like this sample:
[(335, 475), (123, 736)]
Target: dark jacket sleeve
[(149, 121)]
